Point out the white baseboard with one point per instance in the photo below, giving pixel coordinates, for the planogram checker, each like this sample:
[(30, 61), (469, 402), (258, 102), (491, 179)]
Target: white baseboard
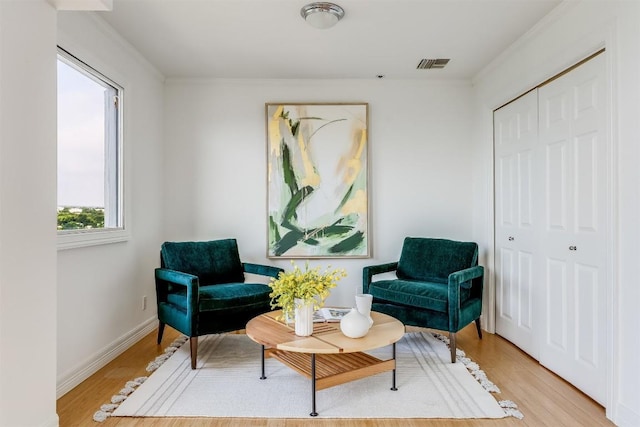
[(71, 379), (626, 417), (54, 421)]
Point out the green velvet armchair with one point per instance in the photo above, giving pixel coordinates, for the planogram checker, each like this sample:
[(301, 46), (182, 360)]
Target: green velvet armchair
[(438, 286), (201, 289)]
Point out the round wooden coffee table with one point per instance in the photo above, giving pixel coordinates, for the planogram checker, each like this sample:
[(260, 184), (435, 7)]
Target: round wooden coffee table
[(327, 357)]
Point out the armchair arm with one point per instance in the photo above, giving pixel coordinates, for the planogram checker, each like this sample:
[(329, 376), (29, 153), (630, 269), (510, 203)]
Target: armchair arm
[(165, 278), (263, 270), (460, 278), (369, 271), (457, 280), (176, 277)]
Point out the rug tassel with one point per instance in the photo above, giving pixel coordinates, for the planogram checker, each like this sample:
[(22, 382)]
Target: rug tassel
[(510, 408), (101, 416), (118, 398), (126, 391), (104, 412), (108, 407), (157, 362)]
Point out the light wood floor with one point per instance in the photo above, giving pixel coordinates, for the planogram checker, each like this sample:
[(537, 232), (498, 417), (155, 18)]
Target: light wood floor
[(543, 398)]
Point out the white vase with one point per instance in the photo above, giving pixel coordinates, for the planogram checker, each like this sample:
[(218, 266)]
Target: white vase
[(303, 317), (354, 324), (363, 304)]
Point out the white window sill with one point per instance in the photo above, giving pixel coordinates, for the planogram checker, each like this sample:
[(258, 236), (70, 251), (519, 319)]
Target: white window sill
[(81, 238)]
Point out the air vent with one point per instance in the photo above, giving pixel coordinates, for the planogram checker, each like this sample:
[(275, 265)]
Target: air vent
[(427, 64)]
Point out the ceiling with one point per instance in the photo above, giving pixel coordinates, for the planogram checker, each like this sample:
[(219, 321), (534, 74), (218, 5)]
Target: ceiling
[(269, 39)]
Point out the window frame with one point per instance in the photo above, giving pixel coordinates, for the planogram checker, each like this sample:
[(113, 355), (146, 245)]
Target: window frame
[(114, 156)]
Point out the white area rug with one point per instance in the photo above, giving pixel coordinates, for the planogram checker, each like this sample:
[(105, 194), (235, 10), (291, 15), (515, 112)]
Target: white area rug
[(226, 384)]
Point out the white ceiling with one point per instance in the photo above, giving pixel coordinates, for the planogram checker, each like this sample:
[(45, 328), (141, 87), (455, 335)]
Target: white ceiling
[(269, 39)]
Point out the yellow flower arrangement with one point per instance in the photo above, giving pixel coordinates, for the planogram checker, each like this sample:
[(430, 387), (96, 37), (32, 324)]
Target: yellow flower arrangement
[(310, 286)]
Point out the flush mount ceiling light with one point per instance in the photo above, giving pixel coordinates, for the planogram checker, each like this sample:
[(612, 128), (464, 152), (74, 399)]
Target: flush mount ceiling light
[(322, 15)]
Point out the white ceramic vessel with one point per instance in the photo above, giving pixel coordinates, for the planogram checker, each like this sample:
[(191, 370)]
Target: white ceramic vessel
[(363, 304), (303, 318), (354, 324)]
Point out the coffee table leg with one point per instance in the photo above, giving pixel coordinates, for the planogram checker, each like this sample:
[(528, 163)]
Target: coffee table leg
[(263, 377), (313, 385), (393, 375)]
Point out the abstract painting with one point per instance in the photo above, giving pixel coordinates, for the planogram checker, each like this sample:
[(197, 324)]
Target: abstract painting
[(317, 174)]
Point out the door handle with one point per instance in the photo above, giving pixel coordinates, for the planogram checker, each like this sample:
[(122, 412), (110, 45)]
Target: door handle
[(573, 248)]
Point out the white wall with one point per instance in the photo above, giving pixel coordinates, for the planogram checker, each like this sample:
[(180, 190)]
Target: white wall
[(27, 214), (573, 31), (100, 288), (419, 148)]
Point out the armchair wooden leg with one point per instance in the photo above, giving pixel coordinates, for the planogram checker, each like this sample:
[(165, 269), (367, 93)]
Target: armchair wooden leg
[(452, 346), (478, 328), (160, 332), (193, 342)]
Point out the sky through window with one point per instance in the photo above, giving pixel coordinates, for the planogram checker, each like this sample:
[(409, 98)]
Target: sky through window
[(81, 134)]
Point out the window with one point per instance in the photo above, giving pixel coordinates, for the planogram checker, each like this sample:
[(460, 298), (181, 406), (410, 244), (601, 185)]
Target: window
[(90, 208)]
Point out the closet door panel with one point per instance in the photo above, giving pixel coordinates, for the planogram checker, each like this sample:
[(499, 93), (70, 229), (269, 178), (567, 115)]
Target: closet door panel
[(557, 316), (587, 314), (517, 220), (525, 285), (573, 134), (556, 189), (587, 211)]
